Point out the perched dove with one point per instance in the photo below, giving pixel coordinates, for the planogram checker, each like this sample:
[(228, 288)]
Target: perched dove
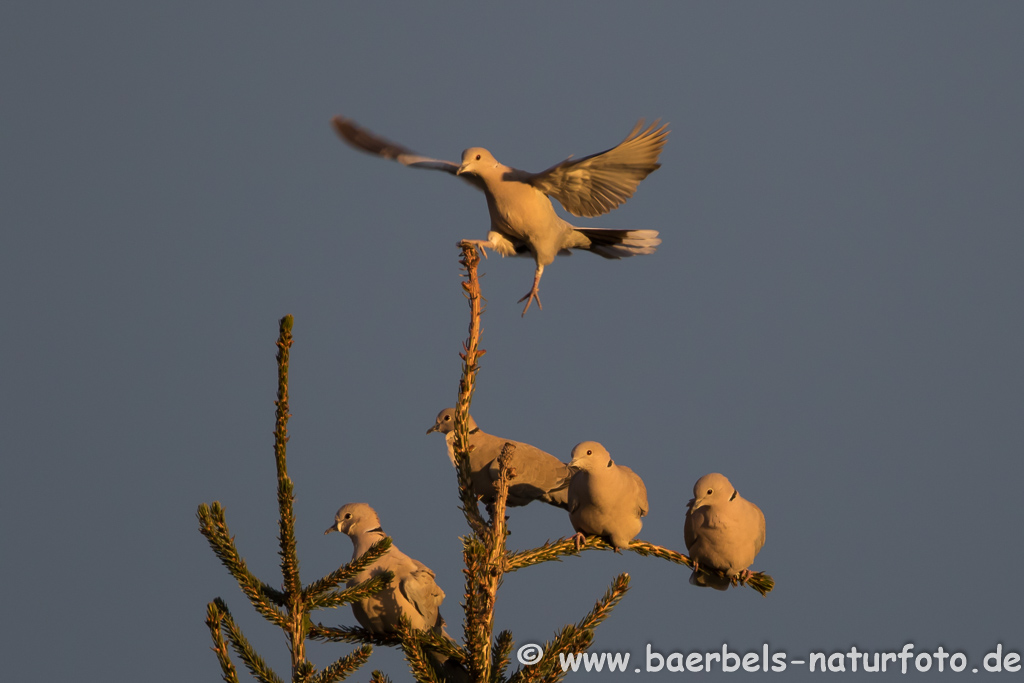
[(538, 475), (412, 592), (605, 499), (723, 531), (522, 216)]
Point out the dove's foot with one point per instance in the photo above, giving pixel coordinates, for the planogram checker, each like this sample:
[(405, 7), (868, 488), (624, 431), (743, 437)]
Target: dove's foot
[(529, 300), (578, 540), (742, 577), (480, 244)]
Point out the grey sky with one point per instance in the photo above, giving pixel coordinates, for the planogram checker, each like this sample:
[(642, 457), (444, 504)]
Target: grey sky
[(833, 319)]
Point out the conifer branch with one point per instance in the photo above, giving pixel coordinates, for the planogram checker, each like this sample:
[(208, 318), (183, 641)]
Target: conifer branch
[(262, 596), (442, 643), (297, 611), (604, 606), (759, 581), (348, 570), (214, 618), (360, 591), (349, 634), (344, 666), (257, 667), (474, 555), (285, 488), (268, 601), (573, 638), (355, 634), (467, 384), (378, 677), (483, 593), (415, 654), (501, 656), (303, 672), (431, 641), (569, 640)]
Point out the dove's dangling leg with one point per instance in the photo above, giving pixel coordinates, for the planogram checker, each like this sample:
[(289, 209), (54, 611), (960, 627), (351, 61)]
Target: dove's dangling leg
[(533, 293), (578, 540)]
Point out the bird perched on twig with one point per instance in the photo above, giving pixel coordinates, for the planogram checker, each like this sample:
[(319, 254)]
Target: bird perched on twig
[(605, 499), (723, 531), (413, 592), (523, 220), (538, 475)]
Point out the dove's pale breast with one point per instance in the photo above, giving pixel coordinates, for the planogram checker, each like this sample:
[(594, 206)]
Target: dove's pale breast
[(524, 214), (725, 536), (607, 502)]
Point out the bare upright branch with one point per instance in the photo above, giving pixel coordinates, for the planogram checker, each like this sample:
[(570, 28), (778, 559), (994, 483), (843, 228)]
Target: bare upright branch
[(467, 385)]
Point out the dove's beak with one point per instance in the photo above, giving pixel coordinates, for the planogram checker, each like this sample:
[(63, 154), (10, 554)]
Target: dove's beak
[(432, 429), (695, 503), (333, 527)]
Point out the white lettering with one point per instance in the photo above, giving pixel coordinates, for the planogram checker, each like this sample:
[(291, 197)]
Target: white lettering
[(651, 654)]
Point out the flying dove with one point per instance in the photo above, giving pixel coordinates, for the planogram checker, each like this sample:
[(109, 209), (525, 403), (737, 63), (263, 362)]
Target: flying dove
[(723, 531), (413, 592), (538, 475), (605, 499), (522, 216)]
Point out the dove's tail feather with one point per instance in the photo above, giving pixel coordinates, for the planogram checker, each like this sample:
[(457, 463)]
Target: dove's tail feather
[(619, 243), (709, 581), (448, 669)]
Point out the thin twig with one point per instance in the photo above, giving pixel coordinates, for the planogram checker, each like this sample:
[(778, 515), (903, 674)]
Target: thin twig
[(759, 581)]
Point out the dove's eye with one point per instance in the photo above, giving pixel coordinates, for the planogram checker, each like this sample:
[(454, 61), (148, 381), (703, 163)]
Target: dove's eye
[(447, 418), (348, 515), (710, 491), (590, 452), (478, 157)]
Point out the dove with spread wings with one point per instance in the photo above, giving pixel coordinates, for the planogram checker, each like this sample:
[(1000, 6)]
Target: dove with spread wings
[(523, 220)]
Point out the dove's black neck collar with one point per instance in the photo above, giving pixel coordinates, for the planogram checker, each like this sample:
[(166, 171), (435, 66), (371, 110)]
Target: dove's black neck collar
[(377, 530), (474, 430)]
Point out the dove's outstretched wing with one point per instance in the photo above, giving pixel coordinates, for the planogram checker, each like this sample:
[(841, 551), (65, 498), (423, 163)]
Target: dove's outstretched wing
[(600, 182), (368, 142)]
